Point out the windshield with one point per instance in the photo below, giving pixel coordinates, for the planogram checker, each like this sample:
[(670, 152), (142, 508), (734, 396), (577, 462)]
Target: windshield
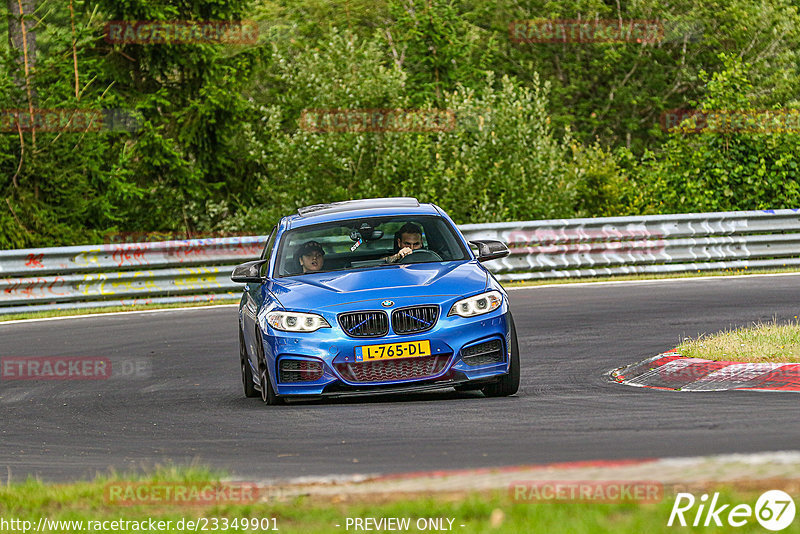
[(372, 242)]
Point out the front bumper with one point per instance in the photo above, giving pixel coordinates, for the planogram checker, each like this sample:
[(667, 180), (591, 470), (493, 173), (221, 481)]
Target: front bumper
[(336, 351)]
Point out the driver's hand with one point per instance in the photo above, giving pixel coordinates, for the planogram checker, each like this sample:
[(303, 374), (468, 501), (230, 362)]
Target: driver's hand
[(401, 254)]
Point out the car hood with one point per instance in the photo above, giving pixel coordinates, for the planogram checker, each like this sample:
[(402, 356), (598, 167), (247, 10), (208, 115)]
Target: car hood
[(403, 284)]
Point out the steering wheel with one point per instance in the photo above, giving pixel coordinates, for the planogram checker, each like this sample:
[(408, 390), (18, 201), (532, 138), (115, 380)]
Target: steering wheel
[(420, 255)]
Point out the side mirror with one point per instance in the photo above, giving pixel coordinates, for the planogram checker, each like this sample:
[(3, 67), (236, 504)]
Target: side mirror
[(489, 249), (248, 272)]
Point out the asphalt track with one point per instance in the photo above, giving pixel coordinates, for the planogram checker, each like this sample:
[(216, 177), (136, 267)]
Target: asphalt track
[(191, 408)]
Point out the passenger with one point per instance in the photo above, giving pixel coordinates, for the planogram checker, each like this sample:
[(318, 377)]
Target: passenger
[(311, 256), (409, 239)]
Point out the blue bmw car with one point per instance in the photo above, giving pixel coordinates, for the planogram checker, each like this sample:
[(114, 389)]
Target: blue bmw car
[(373, 296)]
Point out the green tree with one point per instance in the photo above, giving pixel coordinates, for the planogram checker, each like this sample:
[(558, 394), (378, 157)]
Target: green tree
[(617, 91), (437, 47), (498, 160), (727, 168), (190, 97), (59, 181)]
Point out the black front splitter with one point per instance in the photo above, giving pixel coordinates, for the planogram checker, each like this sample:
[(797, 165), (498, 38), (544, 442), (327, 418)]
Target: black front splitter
[(391, 390)]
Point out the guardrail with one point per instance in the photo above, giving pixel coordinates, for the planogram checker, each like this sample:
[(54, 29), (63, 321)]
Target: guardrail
[(122, 274), (199, 269), (647, 244)]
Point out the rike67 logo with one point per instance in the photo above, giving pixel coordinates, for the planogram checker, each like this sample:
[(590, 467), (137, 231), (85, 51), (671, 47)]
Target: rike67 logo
[(774, 510)]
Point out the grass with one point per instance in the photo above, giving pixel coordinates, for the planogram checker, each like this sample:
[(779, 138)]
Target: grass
[(665, 276), (112, 309), (761, 343), (477, 512)]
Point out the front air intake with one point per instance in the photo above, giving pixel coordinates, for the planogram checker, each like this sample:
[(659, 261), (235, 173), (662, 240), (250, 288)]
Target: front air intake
[(300, 371), (486, 353), (394, 370)]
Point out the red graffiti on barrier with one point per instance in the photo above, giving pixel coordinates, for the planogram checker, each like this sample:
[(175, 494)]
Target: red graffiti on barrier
[(193, 247), (187, 250), (138, 237), (27, 286), (35, 261), (56, 280), (28, 289), (31, 285), (197, 248), (128, 254)]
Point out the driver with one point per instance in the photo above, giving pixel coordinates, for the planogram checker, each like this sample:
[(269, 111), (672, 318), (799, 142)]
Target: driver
[(409, 239), (311, 256)]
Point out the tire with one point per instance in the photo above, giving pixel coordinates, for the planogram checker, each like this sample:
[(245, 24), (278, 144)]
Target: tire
[(250, 390), (509, 383), (267, 393)]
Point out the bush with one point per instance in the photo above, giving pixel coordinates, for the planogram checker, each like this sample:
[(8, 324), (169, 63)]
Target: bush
[(498, 160), (723, 171)]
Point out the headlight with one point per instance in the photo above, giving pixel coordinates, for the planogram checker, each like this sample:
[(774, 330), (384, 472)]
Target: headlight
[(477, 305), (296, 321)]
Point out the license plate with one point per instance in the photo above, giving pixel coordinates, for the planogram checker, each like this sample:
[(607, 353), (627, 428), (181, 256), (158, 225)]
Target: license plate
[(408, 349)]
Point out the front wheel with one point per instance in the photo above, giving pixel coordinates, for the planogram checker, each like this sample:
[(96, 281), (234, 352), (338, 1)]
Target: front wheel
[(247, 374), (509, 383), (267, 393)]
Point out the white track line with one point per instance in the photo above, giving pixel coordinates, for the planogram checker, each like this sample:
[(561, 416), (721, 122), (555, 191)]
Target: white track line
[(611, 471), (84, 316), (653, 281), (564, 285)]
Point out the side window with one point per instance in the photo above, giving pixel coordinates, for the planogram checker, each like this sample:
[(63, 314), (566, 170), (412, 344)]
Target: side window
[(270, 242), (267, 252)]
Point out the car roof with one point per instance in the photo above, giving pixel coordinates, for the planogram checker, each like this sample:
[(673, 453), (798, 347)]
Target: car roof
[(354, 209)]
